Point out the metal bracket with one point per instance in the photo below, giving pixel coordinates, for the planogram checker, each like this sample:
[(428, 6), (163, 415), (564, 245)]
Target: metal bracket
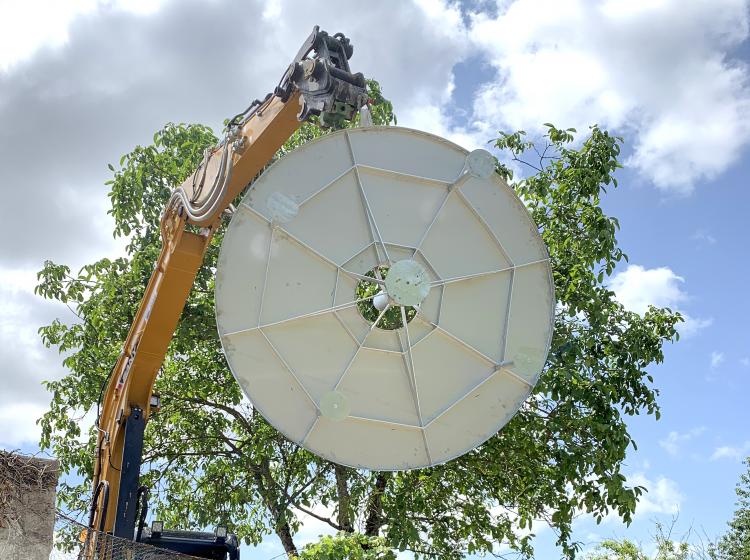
[(321, 73), (130, 467)]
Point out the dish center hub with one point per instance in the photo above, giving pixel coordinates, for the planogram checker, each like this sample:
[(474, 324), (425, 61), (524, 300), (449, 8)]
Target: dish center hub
[(407, 283)]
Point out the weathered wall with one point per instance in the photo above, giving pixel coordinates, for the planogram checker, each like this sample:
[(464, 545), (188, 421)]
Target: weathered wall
[(27, 506)]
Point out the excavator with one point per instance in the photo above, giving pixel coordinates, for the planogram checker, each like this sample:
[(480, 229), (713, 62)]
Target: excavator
[(318, 82)]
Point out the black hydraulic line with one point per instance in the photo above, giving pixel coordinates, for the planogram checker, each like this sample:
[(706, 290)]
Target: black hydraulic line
[(103, 486), (141, 499)]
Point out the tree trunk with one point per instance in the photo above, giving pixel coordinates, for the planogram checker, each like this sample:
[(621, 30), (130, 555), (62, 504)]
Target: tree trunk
[(267, 489), (345, 508), (285, 536), (374, 520)]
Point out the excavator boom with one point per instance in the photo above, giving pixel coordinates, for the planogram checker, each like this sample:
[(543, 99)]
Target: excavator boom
[(318, 82)]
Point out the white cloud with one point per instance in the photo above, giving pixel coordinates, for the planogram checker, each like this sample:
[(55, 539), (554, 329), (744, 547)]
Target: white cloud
[(18, 424), (637, 287), (272, 10), (657, 70), (703, 237), (663, 496), (23, 31), (312, 529), (734, 453), (717, 358), (692, 325), (25, 360), (745, 362), (33, 24), (674, 440)]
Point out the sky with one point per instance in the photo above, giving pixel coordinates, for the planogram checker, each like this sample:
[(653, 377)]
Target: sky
[(84, 81)]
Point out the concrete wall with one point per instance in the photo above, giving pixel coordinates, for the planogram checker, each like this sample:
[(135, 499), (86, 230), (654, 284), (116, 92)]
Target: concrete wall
[(27, 506)]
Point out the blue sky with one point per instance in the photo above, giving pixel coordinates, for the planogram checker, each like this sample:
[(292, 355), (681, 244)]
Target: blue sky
[(92, 79)]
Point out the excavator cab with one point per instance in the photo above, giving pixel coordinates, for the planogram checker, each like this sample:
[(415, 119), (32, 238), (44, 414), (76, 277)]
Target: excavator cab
[(216, 545)]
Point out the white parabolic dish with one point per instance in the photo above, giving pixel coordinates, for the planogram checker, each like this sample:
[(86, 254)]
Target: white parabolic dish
[(453, 240)]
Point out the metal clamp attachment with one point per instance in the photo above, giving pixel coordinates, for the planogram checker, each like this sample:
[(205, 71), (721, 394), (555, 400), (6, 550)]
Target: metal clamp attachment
[(320, 71)]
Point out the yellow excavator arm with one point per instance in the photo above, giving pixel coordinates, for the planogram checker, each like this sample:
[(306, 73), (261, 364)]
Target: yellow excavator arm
[(318, 82)]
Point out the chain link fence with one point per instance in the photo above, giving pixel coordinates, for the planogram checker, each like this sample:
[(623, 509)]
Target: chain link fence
[(75, 541)]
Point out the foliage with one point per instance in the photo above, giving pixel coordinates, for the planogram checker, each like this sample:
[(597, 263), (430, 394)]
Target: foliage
[(148, 174), (366, 291), (735, 543), (210, 458), (353, 546), (618, 550), (665, 548)]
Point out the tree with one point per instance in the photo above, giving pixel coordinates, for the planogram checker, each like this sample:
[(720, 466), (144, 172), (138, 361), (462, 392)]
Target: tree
[(352, 546), (211, 458), (665, 547), (735, 543)]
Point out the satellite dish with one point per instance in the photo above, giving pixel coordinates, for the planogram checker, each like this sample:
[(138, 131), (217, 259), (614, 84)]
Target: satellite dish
[(384, 299)]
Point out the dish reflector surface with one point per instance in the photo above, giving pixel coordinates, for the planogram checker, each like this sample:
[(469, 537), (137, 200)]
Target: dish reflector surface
[(432, 228)]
